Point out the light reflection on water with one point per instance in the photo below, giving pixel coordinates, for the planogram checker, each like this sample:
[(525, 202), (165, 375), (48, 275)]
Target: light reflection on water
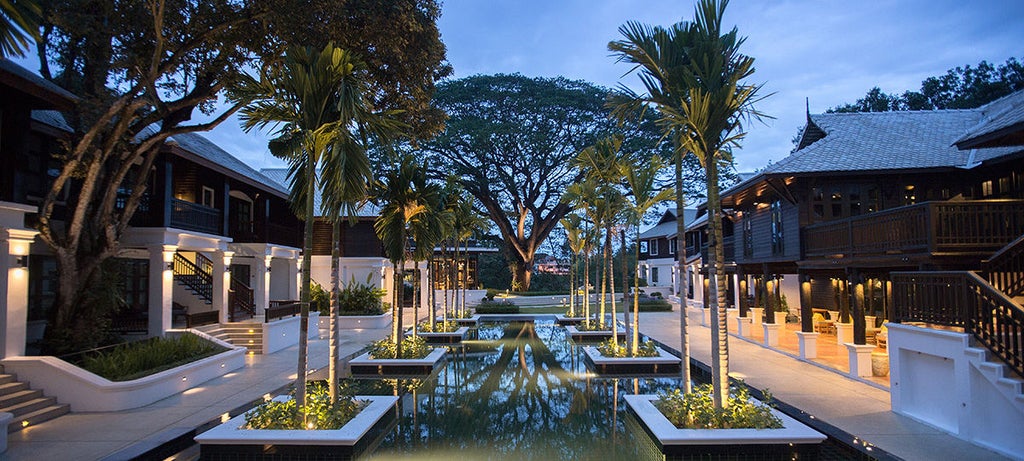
[(519, 391)]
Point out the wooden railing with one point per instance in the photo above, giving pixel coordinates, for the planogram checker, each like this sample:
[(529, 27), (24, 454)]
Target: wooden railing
[(280, 309), (1005, 269), (201, 318), (240, 301), (193, 216), (963, 299), (194, 277), (929, 227)]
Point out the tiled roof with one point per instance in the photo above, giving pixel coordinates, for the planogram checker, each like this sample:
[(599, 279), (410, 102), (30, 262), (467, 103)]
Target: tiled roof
[(1000, 118), (280, 177), (30, 79), (668, 228), (206, 149), (51, 118)]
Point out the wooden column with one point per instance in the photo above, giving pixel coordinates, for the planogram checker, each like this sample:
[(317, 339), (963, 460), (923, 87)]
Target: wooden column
[(742, 296), (769, 297), (806, 314), (856, 281)]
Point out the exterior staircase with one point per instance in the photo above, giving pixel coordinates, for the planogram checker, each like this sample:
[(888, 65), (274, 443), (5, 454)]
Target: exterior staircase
[(29, 406), (999, 374), (242, 334)]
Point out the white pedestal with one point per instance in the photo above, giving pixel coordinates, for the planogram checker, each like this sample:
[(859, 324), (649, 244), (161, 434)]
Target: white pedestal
[(860, 359), (834, 316), (780, 319), (844, 333), (771, 334), (808, 344), (730, 318), (705, 319), (757, 316), (744, 327), (869, 321)]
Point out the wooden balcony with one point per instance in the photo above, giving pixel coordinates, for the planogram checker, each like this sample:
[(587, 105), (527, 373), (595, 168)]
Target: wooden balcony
[(257, 232), (977, 227), (193, 216)]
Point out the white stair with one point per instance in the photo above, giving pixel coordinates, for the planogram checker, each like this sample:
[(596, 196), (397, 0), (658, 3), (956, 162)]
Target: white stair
[(1002, 378), (243, 334)]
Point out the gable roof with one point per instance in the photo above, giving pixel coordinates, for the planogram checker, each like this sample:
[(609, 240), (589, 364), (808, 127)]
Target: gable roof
[(45, 93), (1002, 124), (666, 226), (280, 177), (213, 157)]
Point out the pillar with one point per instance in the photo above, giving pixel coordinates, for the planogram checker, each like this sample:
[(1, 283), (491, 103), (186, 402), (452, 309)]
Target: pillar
[(742, 292), (261, 289), (857, 306), (161, 288), (808, 344), (14, 251), (806, 306), (221, 283), (860, 359), (771, 334)]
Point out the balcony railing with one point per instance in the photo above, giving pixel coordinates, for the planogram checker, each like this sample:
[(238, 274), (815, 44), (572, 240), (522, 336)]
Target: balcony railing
[(256, 232), (930, 227), (193, 216)]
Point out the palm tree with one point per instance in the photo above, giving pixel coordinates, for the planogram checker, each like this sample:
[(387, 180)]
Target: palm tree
[(19, 22), (712, 116), (315, 100), (661, 58), (593, 197), (465, 222), (410, 210), (574, 234), (641, 181)]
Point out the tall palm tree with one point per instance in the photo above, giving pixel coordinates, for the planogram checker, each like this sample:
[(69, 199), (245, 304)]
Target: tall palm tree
[(409, 211), (465, 223), (641, 181), (593, 197), (660, 56), (712, 116), (574, 235), (19, 22), (315, 100)]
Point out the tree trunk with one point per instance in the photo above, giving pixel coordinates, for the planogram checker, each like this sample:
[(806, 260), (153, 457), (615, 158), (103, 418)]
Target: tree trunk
[(304, 298), (572, 284), (332, 360), (684, 281), (400, 285), (625, 283), (586, 285), (522, 273), (610, 260), (635, 340), (417, 295), (465, 283), (716, 272)]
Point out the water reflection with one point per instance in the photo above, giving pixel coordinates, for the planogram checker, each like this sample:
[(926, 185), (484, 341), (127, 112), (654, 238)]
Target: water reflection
[(520, 391)]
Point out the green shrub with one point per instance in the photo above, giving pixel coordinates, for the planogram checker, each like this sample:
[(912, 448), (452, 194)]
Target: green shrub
[(360, 299), (653, 305), (593, 325), (320, 413), (143, 358), (439, 327), (491, 293), (696, 410), (319, 299), (497, 307), (608, 348), (413, 347)]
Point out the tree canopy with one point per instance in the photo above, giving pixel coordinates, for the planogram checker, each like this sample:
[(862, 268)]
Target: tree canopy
[(510, 140), (959, 88)]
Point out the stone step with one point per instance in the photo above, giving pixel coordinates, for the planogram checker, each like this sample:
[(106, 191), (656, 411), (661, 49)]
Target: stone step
[(1015, 386), (979, 353), (19, 396), (29, 406), (38, 416), (6, 378), (993, 370), (12, 387)]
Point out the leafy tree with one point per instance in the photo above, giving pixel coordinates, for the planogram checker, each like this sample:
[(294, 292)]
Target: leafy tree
[(142, 69), (959, 88), (19, 22), (509, 141)]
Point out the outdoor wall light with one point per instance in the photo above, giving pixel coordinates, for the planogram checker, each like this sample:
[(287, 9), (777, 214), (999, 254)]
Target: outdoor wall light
[(21, 261), (170, 266), (268, 268)]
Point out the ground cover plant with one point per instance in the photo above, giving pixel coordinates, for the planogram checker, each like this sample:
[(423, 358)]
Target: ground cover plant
[(697, 410), (497, 307), (609, 348), (360, 299), (413, 347), (438, 327), (320, 412), (135, 360), (593, 325)]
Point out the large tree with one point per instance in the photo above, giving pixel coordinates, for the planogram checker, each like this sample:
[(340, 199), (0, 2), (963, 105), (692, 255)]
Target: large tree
[(510, 139), (142, 70)]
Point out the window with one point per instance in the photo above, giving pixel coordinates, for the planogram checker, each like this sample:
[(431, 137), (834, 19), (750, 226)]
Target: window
[(208, 197), (778, 238), (654, 248), (654, 275), (672, 247), (643, 246), (748, 235)]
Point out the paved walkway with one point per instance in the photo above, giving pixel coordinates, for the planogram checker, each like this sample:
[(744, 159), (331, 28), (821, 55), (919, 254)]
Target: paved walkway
[(856, 407)]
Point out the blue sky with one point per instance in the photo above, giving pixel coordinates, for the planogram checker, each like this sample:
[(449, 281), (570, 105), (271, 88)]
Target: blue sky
[(830, 51)]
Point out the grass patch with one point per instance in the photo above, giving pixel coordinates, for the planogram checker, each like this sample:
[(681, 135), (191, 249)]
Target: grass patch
[(135, 360), (696, 410), (413, 347), (321, 414)]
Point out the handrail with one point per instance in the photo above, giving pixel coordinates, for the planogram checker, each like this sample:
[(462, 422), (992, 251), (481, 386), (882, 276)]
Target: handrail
[(279, 309), (193, 216), (201, 282), (1005, 269), (963, 299), (241, 301)]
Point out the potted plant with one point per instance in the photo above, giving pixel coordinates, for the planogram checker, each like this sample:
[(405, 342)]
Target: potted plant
[(417, 358), (610, 358)]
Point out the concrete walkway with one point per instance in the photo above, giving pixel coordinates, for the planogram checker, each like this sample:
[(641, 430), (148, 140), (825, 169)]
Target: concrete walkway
[(855, 407)]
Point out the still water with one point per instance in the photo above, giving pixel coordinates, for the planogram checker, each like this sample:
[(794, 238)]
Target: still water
[(519, 391)]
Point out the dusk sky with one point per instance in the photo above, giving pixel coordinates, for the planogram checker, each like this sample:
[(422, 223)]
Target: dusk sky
[(830, 51)]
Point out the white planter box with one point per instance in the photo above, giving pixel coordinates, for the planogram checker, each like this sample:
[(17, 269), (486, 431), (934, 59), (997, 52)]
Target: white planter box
[(85, 391), (448, 337), (663, 363), (232, 438), (563, 319), (598, 335), (355, 322), (364, 365), (283, 333), (674, 440)]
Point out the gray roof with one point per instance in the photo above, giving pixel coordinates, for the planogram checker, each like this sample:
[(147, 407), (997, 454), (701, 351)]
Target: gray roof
[(8, 66), (280, 177), (668, 228), (51, 118), (1002, 118), (204, 148)]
